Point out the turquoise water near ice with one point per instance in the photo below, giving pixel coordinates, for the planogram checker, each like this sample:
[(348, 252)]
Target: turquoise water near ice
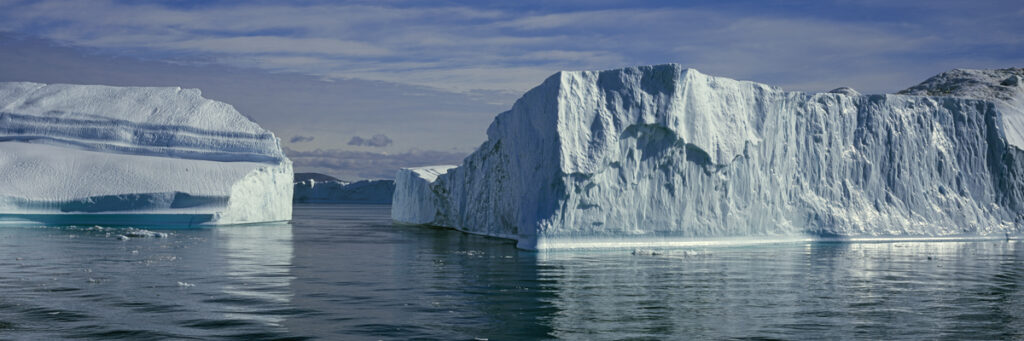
[(345, 272)]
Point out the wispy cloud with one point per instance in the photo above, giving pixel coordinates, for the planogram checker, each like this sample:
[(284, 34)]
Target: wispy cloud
[(465, 48), (270, 44), (432, 75), (292, 106)]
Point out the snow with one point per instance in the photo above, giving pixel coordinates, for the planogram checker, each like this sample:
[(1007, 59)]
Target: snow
[(664, 155), (1001, 86), (125, 155)]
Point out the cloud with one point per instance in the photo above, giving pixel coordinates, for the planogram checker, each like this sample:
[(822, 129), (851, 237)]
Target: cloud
[(287, 104), (514, 47), (379, 140), (434, 74), (280, 45), (300, 139), (369, 165)]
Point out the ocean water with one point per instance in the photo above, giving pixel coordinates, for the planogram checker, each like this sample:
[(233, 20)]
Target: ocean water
[(344, 272)]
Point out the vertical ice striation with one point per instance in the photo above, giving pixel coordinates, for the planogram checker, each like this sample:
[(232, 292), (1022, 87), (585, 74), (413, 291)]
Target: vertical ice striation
[(663, 153), (413, 187)]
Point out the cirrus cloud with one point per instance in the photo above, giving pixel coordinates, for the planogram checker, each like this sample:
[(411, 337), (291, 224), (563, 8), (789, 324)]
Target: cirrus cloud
[(465, 46)]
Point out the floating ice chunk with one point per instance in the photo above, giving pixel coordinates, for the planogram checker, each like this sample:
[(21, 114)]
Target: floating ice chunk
[(89, 154), (142, 233), (646, 252), (663, 155)]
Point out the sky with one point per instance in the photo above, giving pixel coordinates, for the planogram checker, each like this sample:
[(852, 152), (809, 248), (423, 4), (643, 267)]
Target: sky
[(359, 89)]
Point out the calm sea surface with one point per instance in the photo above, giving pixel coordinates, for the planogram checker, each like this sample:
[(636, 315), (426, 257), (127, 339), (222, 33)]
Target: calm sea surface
[(345, 272)]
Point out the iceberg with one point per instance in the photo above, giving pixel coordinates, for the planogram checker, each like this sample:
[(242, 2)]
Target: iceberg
[(415, 201), (320, 188), (90, 154), (661, 155)]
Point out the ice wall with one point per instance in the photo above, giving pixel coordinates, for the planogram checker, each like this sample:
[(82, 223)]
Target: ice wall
[(663, 153), (414, 201), (135, 155)]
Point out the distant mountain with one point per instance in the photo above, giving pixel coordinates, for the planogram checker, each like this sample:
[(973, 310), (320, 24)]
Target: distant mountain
[(320, 188)]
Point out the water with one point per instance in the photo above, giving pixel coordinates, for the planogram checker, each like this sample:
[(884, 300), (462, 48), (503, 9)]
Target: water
[(345, 272)]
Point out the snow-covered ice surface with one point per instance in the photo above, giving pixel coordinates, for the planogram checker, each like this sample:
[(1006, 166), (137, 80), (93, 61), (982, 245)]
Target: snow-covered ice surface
[(664, 155), (1001, 86), (89, 154)]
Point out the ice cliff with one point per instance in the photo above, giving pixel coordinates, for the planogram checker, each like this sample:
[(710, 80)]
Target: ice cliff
[(659, 154), (320, 188), (89, 154)]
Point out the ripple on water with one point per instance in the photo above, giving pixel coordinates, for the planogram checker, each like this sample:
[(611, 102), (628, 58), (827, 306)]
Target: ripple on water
[(345, 272)]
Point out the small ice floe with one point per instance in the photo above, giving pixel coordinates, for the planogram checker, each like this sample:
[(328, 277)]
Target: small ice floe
[(672, 253), (138, 233), (185, 284), (646, 252), (695, 253), (132, 232), (471, 253)]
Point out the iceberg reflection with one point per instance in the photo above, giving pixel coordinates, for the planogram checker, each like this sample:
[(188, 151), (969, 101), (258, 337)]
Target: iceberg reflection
[(799, 290), (257, 259)]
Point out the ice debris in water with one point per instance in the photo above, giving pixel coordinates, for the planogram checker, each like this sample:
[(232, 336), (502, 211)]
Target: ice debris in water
[(645, 252), (140, 233), (131, 232), (671, 253)]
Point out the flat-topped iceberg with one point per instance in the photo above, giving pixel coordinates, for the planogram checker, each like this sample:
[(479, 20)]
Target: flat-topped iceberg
[(89, 154), (663, 154)]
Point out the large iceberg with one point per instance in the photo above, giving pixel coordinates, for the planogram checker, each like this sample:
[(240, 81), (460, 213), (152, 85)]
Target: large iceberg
[(658, 155), (89, 154)]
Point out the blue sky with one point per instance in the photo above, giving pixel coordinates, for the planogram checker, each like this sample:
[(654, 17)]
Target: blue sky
[(430, 75)]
